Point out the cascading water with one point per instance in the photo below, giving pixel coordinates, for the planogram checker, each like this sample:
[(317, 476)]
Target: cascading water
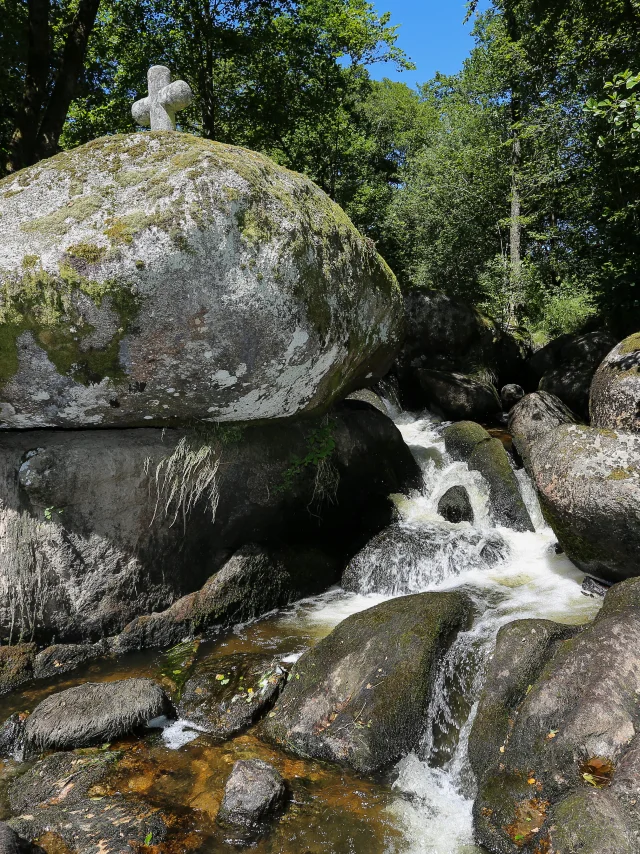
[(508, 575)]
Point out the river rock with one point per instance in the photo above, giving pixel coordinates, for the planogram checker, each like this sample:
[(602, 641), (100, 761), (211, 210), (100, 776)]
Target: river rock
[(228, 693), (94, 713), (507, 505), (406, 559), (522, 649), (85, 536), (360, 696), (568, 734), (459, 396), (63, 657), (158, 278), (455, 505), (11, 843), (565, 367), (16, 665), (535, 416), (252, 582), (588, 482), (510, 395), (615, 391), (12, 737), (460, 439), (254, 792)]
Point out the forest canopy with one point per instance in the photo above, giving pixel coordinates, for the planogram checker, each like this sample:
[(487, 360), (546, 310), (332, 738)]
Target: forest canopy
[(513, 184)]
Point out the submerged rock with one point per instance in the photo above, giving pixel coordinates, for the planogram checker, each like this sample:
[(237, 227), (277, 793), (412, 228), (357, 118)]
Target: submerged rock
[(253, 794), (455, 505), (406, 559), (565, 367), (161, 278), (588, 481), (63, 657), (87, 535), (360, 696), (568, 758), (533, 417), (228, 693), (615, 391), (93, 713)]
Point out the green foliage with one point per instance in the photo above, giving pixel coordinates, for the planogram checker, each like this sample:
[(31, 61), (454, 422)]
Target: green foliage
[(326, 478)]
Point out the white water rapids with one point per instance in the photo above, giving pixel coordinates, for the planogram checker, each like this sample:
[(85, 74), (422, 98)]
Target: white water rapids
[(435, 785)]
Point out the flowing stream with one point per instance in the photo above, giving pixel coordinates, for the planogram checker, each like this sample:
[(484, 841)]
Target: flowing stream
[(423, 806)]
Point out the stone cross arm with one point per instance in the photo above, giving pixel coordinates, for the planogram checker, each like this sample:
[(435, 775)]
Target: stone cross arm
[(164, 100)]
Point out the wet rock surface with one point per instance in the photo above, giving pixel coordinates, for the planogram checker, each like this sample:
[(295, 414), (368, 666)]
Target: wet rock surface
[(588, 482), (405, 559), (94, 713), (565, 774), (254, 793), (615, 391), (510, 395), (224, 287), (87, 539), (359, 697), (227, 694), (251, 583), (16, 665), (507, 505), (11, 843), (461, 438), (455, 505)]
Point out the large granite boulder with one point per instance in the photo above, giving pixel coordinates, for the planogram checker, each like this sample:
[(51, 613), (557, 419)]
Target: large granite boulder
[(156, 278), (535, 416), (565, 367), (447, 335), (555, 744), (90, 536), (615, 391), (588, 482), (360, 696), (458, 396)]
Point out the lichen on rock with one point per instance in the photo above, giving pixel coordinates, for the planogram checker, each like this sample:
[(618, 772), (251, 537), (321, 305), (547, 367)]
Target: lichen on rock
[(157, 278)]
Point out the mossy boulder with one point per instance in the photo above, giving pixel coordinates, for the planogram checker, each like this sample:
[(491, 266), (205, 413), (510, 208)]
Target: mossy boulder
[(461, 438), (156, 278), (507, 505), (535, 416), (360, 696), (560, 754), (227, 693), (615, 391), (588, 481)]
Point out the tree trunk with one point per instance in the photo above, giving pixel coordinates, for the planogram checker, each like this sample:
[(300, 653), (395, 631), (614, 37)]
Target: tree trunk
[(23, 143), (515, 233), (75, 51)]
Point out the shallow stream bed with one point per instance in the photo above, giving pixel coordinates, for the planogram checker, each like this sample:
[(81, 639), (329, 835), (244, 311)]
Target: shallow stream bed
[(423, 805)]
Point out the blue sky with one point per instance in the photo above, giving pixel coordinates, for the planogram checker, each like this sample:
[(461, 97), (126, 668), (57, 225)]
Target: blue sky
[(431, 33)]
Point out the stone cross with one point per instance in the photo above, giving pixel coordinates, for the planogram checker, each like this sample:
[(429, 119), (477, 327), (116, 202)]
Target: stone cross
[(164, 100)]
